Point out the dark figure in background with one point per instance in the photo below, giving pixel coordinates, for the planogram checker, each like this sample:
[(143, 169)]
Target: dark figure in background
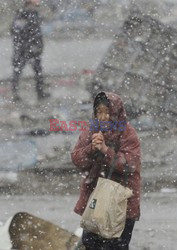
[(28, 46)]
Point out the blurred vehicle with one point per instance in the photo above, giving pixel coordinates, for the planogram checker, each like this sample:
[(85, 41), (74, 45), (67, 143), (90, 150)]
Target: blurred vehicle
[(73, 20)]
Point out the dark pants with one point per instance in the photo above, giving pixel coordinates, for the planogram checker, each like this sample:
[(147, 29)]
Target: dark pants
[(94, 242), (20, 59)]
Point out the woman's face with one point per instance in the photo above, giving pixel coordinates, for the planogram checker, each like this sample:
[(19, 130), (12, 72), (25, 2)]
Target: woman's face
[(102, 113)]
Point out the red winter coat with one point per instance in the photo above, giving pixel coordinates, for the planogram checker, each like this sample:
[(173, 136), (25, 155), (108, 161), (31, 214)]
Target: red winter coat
[(128, 148)]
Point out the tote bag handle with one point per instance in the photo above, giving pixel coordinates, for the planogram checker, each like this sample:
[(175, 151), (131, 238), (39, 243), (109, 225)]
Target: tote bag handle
[(113, 167)]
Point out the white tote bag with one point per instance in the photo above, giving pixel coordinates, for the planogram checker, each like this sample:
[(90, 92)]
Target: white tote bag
[(105, 213)]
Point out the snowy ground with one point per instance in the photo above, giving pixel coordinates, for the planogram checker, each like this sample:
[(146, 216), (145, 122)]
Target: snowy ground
[(155, 231), (59, 57)]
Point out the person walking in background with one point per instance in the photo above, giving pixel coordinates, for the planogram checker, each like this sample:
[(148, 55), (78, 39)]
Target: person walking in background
[(28, 46), (94, 154)]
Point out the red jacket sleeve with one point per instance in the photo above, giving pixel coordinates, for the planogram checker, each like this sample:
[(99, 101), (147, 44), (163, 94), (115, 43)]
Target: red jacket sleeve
[(81, 154), (128, 156)]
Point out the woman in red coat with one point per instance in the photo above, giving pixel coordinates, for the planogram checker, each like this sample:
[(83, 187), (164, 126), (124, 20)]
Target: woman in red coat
[(97, 147)]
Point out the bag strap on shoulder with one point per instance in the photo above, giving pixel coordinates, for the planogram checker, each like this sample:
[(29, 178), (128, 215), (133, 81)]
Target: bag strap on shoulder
[(126, 173), (112, 167)]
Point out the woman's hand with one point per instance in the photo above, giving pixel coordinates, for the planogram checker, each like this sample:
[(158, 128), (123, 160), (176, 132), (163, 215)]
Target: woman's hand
[(98, 142)]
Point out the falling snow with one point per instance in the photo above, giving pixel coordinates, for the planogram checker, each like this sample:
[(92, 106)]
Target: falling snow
[(124, 46)]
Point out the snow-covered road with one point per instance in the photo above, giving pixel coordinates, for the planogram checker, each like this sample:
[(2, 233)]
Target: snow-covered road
[(156, 229)]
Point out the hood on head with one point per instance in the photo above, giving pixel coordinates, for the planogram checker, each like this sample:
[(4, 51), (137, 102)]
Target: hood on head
[(115, 104), (101, 98)]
